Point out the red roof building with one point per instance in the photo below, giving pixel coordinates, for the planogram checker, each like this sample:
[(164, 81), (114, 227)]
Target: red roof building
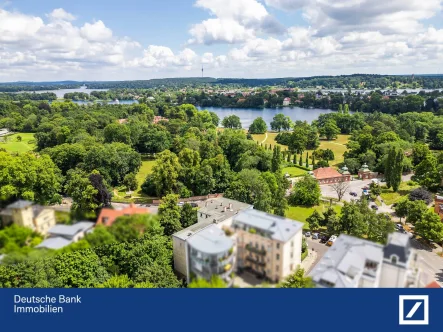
[(433, 284), (159, 118), (108, 216), (325, 175), (438, 206)]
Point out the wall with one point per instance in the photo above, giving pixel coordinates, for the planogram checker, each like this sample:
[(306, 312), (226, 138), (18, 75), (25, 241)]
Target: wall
[(180, 262), (24, 217), (45, 220), (293, 246)]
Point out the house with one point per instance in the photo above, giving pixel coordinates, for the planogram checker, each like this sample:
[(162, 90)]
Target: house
[(328, 175), (364, 173), (158, 118), (27, 214), (122, 121), (438, 206), (217, 212), (357, 263), (268, 245), (3, 132), (286, 101), (107, 216), (60, 236)]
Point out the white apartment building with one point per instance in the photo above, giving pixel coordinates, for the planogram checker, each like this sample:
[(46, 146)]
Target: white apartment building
[(356, 263), (267, 244)]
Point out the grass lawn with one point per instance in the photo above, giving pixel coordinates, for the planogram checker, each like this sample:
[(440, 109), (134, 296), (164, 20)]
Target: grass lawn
[(338, 146), (13, 145), (301, 213), (294, 171), (390, 197), (145, 169)]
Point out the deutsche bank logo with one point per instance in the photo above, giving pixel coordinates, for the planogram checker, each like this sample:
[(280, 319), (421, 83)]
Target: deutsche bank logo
[(414, 310)]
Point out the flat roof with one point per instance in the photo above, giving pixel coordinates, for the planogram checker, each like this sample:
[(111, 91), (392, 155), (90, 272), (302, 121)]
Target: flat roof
[(20, 204), (279, 228), (71, 230), (347, 256), (214, 208), (211, 240), (57, 242)]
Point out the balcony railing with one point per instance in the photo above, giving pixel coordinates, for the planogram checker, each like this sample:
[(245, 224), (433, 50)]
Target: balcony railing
[(255, 261), (256, 250)]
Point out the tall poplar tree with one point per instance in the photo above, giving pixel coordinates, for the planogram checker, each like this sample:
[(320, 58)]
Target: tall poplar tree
[(394, 167)]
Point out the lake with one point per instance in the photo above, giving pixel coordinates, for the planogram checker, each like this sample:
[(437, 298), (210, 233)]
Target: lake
[(61, 92), (247, 115)]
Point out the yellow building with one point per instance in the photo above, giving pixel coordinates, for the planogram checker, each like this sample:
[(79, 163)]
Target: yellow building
[(27, 214)]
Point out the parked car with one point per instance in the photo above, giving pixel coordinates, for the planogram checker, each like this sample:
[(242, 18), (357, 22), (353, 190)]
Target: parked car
[(315, 236), (324, 239), (374, 207), (353, 193), (365, 188), (194, 205), (399, 226), (332, 240), (180, 203), (308, 234)]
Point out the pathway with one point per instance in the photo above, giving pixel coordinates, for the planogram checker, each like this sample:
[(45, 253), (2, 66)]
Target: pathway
[(266, 137)]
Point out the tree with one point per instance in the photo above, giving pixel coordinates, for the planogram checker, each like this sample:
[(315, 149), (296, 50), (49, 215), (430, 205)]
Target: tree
[(116, 132), (394, 167), (353, 218), (165, 173), (419, 153), (232, 121), (375, 189), (28, 176), (328, 155), (427, 173), (88, 191), (19, 138), (297, 280), (416, 211), (100, 236), (306, 192), (401, 209), (280, 121), (421, 194), (276, 159), (380, 225), (169, 213), (215, 282), (314, 220), (340, 189), (188, 215), (130, 181), (329, 130), (258, 126), (307, 160), (300, 160), (430, 227)]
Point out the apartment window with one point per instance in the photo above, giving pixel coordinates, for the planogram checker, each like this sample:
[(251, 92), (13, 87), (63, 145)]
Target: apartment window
[(292, 255), (262, 247), (291, 267), (277, 257), (292, 243), (278, 245), (256, 245), (277, 269)]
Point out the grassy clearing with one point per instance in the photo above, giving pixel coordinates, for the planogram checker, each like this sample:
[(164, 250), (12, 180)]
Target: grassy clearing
[(301, 213), (338, 146), (294, 171), (11, 144), (390, 197), (145, 169)]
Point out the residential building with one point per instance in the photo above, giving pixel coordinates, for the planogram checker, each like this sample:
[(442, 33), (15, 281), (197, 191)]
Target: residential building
[(286, 101), (328, 175), (107, 216), (27, 214), (267, 245), (357, 263), (159, 118), (438, 206), (60, 236), (217, 212)]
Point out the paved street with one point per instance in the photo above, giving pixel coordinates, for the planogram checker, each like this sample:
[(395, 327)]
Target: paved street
[(318, 247), (430, 263)]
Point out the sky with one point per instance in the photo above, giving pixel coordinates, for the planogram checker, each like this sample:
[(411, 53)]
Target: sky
[(100, 40)]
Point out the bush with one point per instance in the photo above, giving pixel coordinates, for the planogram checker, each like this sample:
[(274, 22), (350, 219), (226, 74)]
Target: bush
[(420, 194)]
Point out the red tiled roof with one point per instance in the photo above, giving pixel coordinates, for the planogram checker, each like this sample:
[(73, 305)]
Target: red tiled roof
[(108, 216), (433, 284), (326, 173)]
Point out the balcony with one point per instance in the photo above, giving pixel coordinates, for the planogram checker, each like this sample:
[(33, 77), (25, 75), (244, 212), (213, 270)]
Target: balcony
[(255, 261), (256, 250)]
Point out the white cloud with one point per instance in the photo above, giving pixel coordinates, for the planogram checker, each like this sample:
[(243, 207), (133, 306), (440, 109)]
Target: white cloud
[(61, 14), (219, 31), (96, 32), (161, 57)]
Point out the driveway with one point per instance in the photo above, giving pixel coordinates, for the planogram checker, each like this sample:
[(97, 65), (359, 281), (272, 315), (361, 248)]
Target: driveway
[(319, 248), (430, 263)]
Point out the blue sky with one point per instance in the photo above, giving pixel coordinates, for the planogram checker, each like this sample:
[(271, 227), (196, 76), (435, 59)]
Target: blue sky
[(109, 40)]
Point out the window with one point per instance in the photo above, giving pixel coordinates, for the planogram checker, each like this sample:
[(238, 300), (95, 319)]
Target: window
[(394, 259), (292, 255), (278, 245), (277, 269), (291, 267), (292, 243), (277, 257), (256, 245)]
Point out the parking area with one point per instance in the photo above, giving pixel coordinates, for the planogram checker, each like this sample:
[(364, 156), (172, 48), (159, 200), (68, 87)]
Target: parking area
[(355, 186)]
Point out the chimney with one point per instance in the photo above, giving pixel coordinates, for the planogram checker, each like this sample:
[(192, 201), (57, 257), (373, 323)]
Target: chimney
[(230, 206), (225, 208)]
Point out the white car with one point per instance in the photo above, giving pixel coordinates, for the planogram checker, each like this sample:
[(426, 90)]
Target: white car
[(308, 234), (332, 240)]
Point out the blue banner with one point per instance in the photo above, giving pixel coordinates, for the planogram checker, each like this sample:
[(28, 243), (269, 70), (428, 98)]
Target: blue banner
[(221, 310)]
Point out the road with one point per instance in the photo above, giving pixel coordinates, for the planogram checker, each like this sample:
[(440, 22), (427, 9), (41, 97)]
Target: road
[(319, 248), (430, 263)]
